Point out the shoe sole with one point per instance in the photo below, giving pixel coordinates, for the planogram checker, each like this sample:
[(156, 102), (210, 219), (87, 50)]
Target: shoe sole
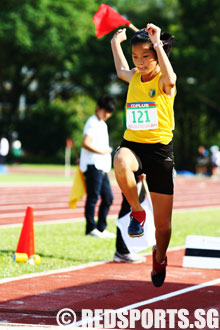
[(137, 235), (121, 261), (158, 279), (128, 262)]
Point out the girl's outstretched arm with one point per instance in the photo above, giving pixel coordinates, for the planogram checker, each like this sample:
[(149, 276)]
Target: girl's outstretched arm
[(168, 79), (121, 64)]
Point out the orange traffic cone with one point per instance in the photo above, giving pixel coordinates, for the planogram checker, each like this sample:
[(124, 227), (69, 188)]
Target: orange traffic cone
[(26, 240)]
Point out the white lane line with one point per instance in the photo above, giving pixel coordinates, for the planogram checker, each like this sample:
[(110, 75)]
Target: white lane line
[(47, 222), (50, 212), (111, 216), (151, 301), (197, 209), (52, 272), (72, 268), (35, 206), (54, 222)]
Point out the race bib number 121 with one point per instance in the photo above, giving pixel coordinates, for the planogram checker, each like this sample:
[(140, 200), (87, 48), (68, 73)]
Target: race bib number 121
[(141, 116)]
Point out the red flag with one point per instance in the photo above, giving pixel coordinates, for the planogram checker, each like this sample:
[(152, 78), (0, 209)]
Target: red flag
[(107, 19)]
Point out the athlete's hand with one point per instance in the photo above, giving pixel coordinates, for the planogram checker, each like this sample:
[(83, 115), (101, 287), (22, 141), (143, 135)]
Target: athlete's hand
[(142, 177), (120, 35), (154, 32)]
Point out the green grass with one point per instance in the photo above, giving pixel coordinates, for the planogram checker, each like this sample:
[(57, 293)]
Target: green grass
[(64, 245), (56, 174), (16, 178), (43, 166), (205, 223)]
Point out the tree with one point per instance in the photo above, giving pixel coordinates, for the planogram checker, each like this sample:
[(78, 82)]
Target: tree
[(39, 40), (196, 58), (49, 52)]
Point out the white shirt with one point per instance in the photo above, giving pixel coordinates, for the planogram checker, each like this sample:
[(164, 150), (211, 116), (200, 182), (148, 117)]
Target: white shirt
[(4, 147), (98, 131)]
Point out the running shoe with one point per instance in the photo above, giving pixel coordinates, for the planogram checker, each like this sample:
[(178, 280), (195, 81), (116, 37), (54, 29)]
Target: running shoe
[(135, 229), (158, 273), (132, 258), (96, 233), (108, 234)]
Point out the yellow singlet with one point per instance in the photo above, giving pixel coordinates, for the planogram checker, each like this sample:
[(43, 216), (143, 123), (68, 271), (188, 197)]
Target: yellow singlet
[(149, 112)]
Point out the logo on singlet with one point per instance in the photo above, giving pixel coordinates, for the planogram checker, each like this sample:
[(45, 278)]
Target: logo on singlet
[(152, 92)]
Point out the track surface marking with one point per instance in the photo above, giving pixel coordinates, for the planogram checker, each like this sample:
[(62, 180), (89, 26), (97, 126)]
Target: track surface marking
[(50, 203), (110, 286)]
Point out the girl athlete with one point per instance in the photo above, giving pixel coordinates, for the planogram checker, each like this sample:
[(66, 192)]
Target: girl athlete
[(147, 144)]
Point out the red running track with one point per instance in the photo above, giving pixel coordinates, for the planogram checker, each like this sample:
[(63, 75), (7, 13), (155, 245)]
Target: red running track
[(37, 300), (50, 202)]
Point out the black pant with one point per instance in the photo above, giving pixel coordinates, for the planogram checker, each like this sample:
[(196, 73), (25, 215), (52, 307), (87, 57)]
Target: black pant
[(98, 185), (125, 208)]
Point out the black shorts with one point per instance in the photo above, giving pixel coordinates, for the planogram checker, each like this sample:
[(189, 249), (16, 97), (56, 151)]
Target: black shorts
[(156, 161)]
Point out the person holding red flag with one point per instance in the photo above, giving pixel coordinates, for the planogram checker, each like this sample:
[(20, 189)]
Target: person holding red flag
[(147, 145)]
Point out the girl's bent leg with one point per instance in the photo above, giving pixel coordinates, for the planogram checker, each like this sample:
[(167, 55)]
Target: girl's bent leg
[(162, 208), (125, 164)]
